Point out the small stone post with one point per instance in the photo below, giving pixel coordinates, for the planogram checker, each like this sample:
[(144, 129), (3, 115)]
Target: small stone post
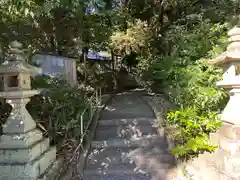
[(228, 153), (24, 153)]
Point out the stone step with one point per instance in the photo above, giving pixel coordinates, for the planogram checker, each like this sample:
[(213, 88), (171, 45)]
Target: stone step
[(24, 155), (140, 157), (126, 131), (28, 171), (119, 176), (128, 171), (143, 141), (126, 121)]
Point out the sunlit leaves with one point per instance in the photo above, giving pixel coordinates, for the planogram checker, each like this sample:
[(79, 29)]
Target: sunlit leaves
[(17, 8), (194, 129), (133, 39), (193, 147)]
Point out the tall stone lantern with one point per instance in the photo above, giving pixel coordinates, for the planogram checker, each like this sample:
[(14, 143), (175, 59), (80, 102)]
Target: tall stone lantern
[(229, 133), (24, 153)]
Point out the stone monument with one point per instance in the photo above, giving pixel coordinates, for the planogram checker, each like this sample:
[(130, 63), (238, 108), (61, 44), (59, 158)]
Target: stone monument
[(24, 153), (228, 153)]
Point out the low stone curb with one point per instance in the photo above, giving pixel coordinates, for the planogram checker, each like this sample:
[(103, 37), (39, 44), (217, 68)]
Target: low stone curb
[(91, 134), (52, 170), (149, 99)]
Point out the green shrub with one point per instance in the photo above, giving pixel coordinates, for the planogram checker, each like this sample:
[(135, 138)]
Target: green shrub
[(192, 83), (58, 110), (194, 90), (45, 81), (200, 103), (193, 129)]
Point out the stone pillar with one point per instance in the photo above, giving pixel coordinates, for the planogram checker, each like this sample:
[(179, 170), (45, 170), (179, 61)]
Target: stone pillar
[(24, 153), (227, 156)]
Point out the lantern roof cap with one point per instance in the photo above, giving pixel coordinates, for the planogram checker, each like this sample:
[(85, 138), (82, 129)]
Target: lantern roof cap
[(233, 32), (232, 54), (15, 61), (219, 59)]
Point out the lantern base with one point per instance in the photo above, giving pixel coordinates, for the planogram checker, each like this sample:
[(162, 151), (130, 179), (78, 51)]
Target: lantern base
[(25, 156), (231, 111), (28, 171)]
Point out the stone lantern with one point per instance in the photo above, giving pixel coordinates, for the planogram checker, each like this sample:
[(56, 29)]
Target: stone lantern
[(229, 133), (24, 153), (230, 61), (14, 72)]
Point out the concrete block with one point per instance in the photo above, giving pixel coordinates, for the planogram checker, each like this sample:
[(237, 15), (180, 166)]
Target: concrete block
[(47, 159), (230, 146), (230, 131), (216, 159), (28, 171), (232, 165), (18, 141), (24, 155), (53, 171)]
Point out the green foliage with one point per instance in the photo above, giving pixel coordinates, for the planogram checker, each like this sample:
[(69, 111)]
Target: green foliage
[(193, 89), (52, 26), (192, 82), (43, 81), (194, 86), (135, 38), (194, 128), (58, 111)]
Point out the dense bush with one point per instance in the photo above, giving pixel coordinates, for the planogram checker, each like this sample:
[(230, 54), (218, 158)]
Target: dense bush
[(191, 83), (44, 81), (57, 111)]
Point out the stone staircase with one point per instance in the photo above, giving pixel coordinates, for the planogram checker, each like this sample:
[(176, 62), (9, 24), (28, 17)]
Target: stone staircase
[(128, 148)]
